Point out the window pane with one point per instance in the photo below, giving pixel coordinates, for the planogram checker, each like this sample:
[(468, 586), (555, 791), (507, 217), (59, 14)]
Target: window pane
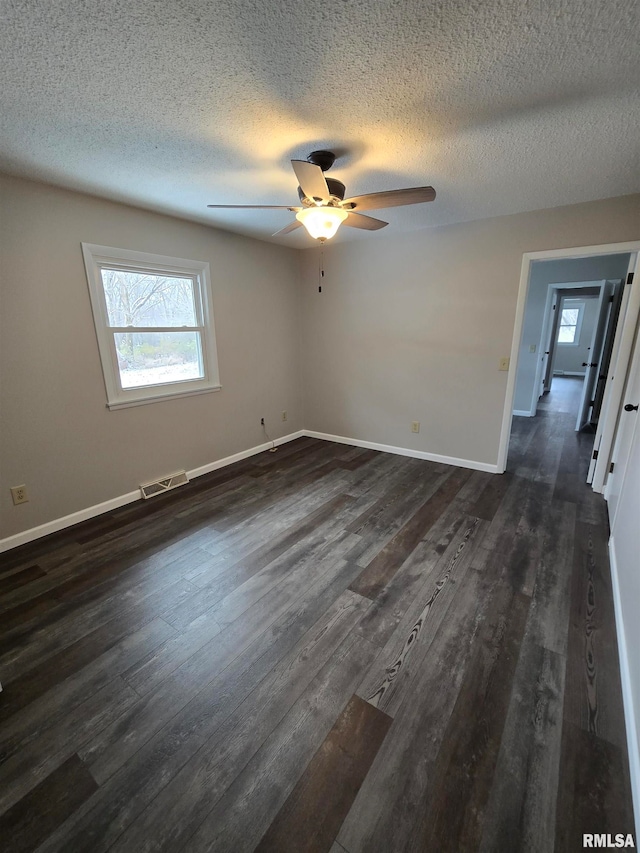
[(567, 334), (569, 316), (154, 358), (143, 299)]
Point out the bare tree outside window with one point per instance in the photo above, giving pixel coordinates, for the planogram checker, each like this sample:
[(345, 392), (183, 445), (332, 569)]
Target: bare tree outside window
[(153, 319), (568, 325)]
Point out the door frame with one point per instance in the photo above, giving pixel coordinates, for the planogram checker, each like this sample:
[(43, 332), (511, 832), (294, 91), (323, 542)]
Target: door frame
[(615, 382)]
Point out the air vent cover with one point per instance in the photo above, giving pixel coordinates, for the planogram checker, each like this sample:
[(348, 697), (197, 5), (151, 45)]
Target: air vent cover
[(158, 487)]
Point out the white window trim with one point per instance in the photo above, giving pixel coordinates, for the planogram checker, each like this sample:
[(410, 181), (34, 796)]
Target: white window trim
[(118, 397), (580, 305)]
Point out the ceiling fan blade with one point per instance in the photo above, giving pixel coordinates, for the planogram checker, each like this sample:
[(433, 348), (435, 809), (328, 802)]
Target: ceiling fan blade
[(311, 180), (253, 207), (357, 220), (392, 198), (288, 228)]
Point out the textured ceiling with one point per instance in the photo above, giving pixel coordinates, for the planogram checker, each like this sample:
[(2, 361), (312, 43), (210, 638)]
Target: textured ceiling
[(501, 105)]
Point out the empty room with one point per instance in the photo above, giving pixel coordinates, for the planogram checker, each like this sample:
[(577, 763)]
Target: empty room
[(319, 442)]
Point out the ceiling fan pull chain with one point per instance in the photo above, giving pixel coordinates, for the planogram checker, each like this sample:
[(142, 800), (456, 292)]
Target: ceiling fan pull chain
[(321, 267)]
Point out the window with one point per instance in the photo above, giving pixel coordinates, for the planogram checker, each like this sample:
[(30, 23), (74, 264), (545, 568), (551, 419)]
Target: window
[(570, 322), (154, 323)]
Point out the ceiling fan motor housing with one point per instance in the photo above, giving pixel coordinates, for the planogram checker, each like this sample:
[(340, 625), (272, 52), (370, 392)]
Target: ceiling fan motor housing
[(336, 189)]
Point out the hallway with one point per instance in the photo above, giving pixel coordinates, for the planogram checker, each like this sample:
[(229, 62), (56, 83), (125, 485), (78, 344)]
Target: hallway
[(564, 396)]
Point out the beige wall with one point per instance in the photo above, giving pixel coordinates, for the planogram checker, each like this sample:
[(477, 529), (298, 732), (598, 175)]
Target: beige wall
[(412, 327), (406, 328), (57, 436)]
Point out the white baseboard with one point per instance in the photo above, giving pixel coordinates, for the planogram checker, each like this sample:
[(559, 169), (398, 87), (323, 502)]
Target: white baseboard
[(406, 451), (632, 723), (67, 521), (524, 413), (115, 503), (244, 454)]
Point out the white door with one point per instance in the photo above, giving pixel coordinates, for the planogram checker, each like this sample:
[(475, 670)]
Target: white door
[(627, 426), (547, 346), (616, 377), (593, 357), (624, 548)]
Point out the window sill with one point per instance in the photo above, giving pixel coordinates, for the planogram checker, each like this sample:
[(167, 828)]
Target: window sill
[(158, 398)]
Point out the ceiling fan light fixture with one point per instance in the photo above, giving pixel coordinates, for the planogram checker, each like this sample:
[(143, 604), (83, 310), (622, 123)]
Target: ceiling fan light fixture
[(322, 222)]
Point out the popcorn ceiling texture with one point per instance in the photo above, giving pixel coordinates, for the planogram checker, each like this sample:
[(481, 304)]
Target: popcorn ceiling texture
[(502, 105)]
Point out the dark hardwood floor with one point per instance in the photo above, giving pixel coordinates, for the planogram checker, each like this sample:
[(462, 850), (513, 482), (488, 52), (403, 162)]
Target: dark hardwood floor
[(322, 649)]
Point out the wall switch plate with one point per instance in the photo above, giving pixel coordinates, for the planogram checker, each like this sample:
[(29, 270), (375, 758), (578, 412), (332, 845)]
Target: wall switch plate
[(415, 426), (284, 416), (532, 348), (19, 495), (504, 364)]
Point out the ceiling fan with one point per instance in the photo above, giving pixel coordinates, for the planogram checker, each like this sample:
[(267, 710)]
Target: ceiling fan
[(324, 207)]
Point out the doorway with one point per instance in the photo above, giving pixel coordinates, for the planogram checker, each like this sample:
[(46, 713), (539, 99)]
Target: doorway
[(569, 266), (577, 333)]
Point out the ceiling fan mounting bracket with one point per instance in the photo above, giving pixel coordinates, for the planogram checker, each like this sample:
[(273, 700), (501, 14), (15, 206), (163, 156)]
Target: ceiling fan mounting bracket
[(324, 159)]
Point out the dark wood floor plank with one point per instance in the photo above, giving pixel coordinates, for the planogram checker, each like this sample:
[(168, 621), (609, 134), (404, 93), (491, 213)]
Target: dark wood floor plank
[(594, 790), (59, 701), (382, 568), (270, 516), (20, 578), (38, 814), (20, 773), (242, 816), (491, 496), (51, 640), (210, 770), (451, 818), (389, 683), (393, 601), (310, 818), (593, 687), (569, 482), (235, 635), (76, 597), (507, 515), (548, 623), (423, 564), (399, 499), (383, 813), (212, 739), (379, 475), (246, 653), (55, 669), (248, 567), (521, 811)]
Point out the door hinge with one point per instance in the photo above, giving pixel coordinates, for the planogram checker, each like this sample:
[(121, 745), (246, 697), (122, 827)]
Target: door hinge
[(630, 278), (595, 454), (611, 468), (592, 402), (611, 299)]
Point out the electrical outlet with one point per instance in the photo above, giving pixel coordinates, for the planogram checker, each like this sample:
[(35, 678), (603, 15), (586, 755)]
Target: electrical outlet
[(284, 416), (504, 364), (532, 348), (19, 495), (415, 426)]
